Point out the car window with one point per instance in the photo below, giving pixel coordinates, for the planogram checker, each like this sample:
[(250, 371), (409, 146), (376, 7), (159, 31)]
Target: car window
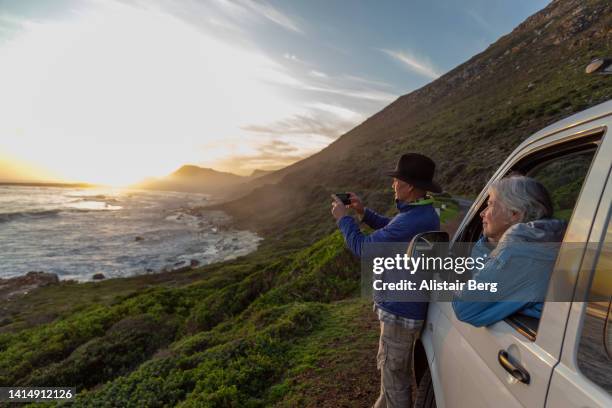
[(595, 349), (563, 178)]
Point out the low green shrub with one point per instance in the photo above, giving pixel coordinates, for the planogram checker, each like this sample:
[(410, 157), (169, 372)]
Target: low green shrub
[(125, 345), (239, 370)]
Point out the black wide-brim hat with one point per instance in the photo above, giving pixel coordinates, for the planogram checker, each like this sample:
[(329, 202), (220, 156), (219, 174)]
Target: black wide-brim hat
[(418, 170)]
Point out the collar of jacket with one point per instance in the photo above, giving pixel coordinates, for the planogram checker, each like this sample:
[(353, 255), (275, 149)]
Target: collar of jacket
[(405, 206)]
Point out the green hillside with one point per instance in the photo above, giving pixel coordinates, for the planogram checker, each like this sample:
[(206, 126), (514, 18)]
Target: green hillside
[(285, 326), (239, 333)]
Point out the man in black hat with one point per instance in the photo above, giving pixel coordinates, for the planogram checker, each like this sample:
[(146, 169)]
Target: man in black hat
[(400, 322)]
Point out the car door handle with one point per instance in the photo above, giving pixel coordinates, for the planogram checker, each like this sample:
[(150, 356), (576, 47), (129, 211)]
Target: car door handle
[(515, 370)]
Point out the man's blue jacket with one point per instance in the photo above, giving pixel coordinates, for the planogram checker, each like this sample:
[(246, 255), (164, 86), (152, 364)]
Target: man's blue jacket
[(413, 218)]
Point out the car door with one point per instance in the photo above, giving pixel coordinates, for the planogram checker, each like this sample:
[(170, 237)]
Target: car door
[(468, 360), (583, 376)]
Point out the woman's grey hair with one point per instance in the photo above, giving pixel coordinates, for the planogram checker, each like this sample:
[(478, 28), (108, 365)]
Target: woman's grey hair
[(524, 195)]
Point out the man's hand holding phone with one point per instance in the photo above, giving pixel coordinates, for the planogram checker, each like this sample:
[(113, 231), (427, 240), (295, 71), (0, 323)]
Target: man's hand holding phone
[(356, 204), (342, 201)]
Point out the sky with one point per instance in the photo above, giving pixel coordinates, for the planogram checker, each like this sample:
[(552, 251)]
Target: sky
[(113, 91)]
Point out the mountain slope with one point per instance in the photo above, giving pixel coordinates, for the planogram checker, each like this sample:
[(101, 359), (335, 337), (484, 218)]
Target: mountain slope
[(194, 179), (468, 120)]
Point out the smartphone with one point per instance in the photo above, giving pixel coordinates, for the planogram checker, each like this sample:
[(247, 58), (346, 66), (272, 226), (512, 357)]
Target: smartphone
[(344, 197)]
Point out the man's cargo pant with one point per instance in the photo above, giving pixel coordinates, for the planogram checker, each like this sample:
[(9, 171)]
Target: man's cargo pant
[(394, 360)]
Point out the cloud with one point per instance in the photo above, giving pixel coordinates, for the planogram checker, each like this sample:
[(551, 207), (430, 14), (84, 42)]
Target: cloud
[(223, 24), (346, 86), (283, 77), (339, 111), (422, 67), (248, 9), (358, 79), (297, 125), (277, 147), (292, 57), (319, 119), (270, 155), (266, 10), (222, 18), (370, 94), (317, 74)]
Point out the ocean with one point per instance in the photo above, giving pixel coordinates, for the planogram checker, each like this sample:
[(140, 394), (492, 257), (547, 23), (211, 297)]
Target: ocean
[(79, 232)]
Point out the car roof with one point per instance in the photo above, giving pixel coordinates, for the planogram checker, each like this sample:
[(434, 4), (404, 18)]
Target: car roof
[(593, 113)]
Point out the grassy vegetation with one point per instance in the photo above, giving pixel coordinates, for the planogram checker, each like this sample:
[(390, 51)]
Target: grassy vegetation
[(343, 348), (227, 335)]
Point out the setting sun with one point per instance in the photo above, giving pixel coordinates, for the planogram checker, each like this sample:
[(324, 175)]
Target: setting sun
[(120, 93)]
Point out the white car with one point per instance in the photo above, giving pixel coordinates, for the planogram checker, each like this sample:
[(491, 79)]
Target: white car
[(565, 358)]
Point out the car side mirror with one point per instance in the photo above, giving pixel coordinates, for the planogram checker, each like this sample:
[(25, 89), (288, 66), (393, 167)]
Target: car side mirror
[(430, 244)]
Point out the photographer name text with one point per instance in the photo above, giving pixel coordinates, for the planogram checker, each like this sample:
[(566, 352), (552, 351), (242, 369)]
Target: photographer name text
[(434, 285)]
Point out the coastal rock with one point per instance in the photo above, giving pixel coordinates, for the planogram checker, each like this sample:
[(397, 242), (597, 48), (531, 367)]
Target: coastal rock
[(98, 276), (182, 266), (21, 285), (42, 278)]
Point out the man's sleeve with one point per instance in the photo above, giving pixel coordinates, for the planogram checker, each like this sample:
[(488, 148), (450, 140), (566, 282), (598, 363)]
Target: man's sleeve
[(391, 232), (374, 220)]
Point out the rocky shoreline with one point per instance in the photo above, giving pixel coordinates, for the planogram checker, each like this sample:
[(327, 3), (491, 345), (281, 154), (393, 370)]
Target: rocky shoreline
[(24, 284)]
